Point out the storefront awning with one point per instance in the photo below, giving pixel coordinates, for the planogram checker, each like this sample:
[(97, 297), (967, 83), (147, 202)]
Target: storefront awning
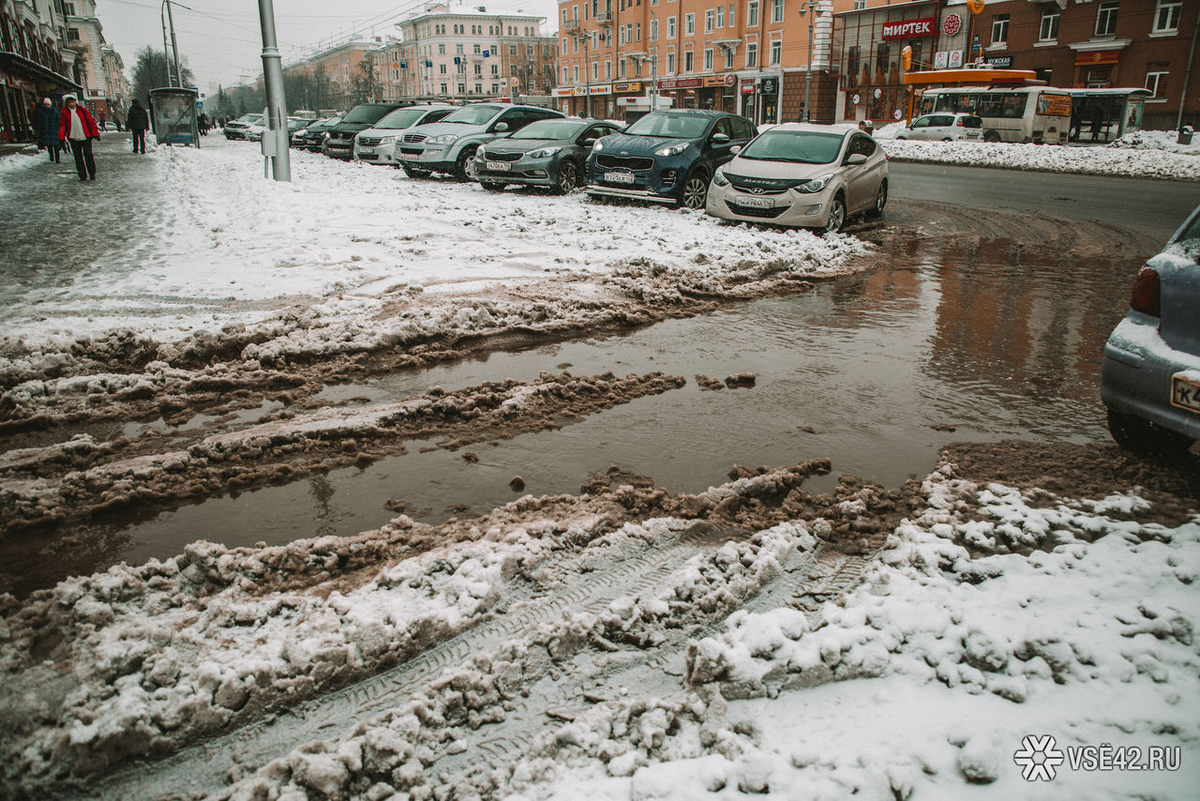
[(32, 70)]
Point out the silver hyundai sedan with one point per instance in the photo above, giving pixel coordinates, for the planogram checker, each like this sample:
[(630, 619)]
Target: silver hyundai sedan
[(1150, 378)]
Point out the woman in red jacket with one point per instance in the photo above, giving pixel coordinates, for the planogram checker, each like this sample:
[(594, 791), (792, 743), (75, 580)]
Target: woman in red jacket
[(76, 125)]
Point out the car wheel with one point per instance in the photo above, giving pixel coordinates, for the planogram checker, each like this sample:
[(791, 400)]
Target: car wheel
[(947, 139), (881, 196), (464, 166), (991, 136), (492, 186), (415, 172), (1145, 438), (568, 177), (837, 216), (695, 190)]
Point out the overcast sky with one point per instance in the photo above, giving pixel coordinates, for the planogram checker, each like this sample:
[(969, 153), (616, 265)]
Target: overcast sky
[(221, 40)]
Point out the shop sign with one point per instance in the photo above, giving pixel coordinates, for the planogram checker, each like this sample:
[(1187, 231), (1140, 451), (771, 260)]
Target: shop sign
[(1003, 62), (714, 80), (603, 89), (681, 83), (563, 91), (628, 86), (910, 29), (770, 86), (1098, 57), (956, 59), (940, 59), (952, 24)]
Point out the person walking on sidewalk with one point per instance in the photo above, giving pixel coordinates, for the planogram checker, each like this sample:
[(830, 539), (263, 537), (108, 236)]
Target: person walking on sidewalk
[(137, 121), (47, 126), (77, 126)]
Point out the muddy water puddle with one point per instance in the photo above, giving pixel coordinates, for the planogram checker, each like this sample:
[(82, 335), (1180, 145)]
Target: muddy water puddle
[(875, 372)]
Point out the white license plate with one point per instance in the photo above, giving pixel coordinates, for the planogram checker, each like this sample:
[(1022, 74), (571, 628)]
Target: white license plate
[(498, 166), (366, 150), (619, 177), (757, 202), (410, 156), (1185, 392)]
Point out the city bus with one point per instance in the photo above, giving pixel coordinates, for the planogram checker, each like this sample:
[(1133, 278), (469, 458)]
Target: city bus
[(1040, 114)]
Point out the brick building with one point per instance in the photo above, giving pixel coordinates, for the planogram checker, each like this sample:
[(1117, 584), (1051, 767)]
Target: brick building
[(34, 63)]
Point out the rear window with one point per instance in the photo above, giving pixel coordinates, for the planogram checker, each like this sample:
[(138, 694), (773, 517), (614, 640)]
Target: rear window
[(972, 122), (1188, 244)]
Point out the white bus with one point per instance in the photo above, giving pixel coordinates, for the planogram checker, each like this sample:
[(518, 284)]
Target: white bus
[(1040, 114)]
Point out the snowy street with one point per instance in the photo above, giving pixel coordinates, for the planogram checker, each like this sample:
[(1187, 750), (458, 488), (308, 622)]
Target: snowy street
[(365, 487)]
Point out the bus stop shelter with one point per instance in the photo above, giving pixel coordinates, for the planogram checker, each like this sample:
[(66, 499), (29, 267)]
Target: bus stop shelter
[(174, 115)]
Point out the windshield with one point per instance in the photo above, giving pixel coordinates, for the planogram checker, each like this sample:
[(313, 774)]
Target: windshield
[(329, 123), (549, 129), (670, 126), (402, 118), (368, 114), (472, 115), (250, 118), (799, 147)]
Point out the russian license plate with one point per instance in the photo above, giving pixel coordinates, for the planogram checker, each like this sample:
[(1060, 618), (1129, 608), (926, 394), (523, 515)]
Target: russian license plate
[(619, 177), (410, 156), (366, 150), (1185, 392), (497, 166), (756, 202)]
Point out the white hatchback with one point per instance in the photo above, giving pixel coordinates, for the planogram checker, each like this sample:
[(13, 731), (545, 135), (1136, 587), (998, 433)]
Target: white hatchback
[(944, 128)]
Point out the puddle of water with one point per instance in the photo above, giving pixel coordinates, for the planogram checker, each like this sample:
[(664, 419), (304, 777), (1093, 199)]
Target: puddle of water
[(883, 368)]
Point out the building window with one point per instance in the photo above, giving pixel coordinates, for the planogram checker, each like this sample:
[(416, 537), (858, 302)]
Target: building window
[(670, 27), (689, 25), (732, 16), (728, 58), (621, 68), (710, 17), (1166, 16), (708, 59), (776, 52), (575, 74), (752, 14), (1000, 29), (670, 63), (859, 5), (595, 70), (777, 11), (1048, 29), (654, 30), (608, 70), (1156, 78), (1106, 19), (720, 17), (441, 69), (751, 55), (689, 61)]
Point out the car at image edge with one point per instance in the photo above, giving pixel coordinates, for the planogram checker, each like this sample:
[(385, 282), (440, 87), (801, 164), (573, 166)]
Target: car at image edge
[(666, 156), (1150, 376), (802, 175), (548, 153)]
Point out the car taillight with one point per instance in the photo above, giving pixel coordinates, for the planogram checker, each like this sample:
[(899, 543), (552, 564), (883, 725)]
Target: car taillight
[(1145, 295), (959, 122)]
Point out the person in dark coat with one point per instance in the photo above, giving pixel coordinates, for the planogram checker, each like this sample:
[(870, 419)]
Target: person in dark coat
[(76, 125), (47, 127), (137, 121)]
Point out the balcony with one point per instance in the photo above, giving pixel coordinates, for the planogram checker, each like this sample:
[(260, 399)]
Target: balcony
[(570, 25), (604, 18)]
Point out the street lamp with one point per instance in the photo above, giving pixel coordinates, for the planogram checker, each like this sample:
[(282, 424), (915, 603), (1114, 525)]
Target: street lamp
[(653, 59), (815, 7), (587, 76)]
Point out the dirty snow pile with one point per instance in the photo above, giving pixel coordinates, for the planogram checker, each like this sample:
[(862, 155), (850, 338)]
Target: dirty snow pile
[(351, 256)]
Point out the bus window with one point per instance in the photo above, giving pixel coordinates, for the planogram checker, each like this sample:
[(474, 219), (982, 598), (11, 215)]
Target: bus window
[(1013, 105)]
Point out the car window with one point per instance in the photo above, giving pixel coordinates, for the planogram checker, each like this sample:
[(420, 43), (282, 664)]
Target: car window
[(436, 115), (742, 129), (861, 144), (921, 122), (800, 147), (366, 114), (517, 118), (1188, 243), (971, 122), (723, 126), (401, 118), (941, 121), (473, 115), (597, 131)]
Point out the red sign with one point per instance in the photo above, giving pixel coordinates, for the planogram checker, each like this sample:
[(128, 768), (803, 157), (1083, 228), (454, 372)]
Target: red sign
[(680, 83), (910, 29), (952, 24), (1099, 57)]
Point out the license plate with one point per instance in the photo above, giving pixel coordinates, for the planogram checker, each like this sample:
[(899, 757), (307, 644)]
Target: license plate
[(756, 202), (410, 156), (497, 166), (619, 177), (366, 150), (1185, 392)]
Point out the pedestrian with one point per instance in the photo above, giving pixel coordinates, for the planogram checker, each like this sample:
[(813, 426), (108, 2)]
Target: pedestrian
[(76, 125), (137, 121), (47, 125), (866, 126), (103, 122)]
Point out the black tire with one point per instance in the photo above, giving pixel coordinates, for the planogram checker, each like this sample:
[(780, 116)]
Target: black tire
[(568, 177), (881, 197), (464, 165), (492, 186), (837, 216), (1144, 438), (695, 190), (415, 172)]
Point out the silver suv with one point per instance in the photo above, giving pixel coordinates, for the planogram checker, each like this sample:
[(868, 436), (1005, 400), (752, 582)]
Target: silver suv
[(449, 146), (944, 127)]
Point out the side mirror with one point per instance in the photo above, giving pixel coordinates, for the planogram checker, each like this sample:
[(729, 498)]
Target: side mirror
[(501, 127), (735, 149), (588, 142), (856, 158), (720, 139)]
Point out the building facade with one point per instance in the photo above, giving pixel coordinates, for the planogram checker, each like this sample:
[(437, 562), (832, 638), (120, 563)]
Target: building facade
[(96, 65), (33, 63), (468, 55)]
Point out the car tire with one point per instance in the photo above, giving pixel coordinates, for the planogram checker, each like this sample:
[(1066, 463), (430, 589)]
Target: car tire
[(568, 177), (695, 190), (947, 139), (837, 215), (492, 186), (415, 172), (464, 165), (881, 198), (1145, 438)]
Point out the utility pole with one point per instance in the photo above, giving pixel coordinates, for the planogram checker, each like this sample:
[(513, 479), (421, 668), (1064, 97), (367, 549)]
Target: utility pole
[(174, 45), (806, 7), (166, 52), (274, 141)]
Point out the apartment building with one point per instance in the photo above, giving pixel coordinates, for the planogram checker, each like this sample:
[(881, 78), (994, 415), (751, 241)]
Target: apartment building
[(34, 62), (468, 54)]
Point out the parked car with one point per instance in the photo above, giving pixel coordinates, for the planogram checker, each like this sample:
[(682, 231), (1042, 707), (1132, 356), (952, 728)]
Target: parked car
[(314, 135), (1150, 376), (339, 138), (255, 132), (377, 144), (449, 146), (800, 174), (236, 129), (298, 136), (944, 128), (547, 153), (666, 156)]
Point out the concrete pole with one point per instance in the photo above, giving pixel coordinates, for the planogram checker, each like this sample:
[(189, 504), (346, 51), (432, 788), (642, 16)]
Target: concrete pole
[(166, 52), (174, 46), (276, 104)]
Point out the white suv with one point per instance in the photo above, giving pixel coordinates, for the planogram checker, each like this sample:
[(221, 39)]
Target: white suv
[(944, 127), (377, 144)]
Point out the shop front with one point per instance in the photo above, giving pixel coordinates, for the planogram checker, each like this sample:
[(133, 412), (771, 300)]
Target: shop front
[(714, 92), (23, 84)]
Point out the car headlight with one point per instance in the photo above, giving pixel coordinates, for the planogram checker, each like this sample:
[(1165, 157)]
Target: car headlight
[(388, 140), (326, 136), (719, 177), (596, 148), (815, 185), (444, 139), (672, 150), (545, 152)]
